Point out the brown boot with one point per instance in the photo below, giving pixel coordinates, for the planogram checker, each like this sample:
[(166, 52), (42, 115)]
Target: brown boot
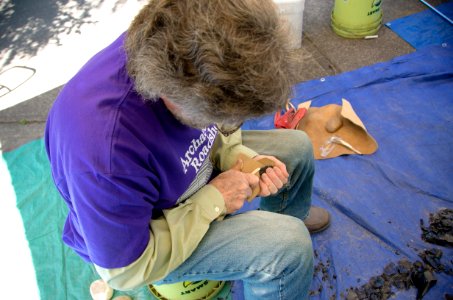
[(318, 219)]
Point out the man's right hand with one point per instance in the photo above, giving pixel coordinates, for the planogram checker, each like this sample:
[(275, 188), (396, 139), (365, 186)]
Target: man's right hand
[(235, 186)]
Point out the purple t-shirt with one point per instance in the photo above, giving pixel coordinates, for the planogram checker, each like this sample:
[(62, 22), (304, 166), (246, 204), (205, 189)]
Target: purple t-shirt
[(118, 160)]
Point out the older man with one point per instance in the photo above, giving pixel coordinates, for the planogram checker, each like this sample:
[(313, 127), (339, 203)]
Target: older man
[(144, 144)]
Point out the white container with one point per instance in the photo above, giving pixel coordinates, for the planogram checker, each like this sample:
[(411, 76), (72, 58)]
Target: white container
[(293, 12)]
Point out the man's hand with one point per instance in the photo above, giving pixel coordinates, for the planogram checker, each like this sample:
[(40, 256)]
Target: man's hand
[(235, 186), (274, 178)]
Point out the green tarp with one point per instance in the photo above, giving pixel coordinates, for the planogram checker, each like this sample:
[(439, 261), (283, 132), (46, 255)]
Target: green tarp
[(60, 273)]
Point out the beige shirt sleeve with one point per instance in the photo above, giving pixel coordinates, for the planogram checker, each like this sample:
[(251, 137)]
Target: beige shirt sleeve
[(227, 149), (173, 238), (175, 235)]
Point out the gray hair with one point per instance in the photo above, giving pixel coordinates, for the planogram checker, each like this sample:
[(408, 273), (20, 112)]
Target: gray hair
[(221, 61)]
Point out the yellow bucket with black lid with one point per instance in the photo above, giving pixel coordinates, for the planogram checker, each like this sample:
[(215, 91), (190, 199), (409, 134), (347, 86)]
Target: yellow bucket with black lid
[(356, 18), (187, 290)]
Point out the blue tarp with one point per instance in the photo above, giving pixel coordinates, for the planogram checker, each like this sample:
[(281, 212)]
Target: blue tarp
[(425, 28), (377, 201)]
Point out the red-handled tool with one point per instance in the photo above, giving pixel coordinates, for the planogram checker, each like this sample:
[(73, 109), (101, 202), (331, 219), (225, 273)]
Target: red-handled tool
[(290, 118)]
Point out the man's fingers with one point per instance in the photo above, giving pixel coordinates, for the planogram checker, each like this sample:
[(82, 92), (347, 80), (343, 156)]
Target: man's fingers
[(248, 193), (283, 178), (264, 190), (252, 180), (274, 178), (282, 167), (270, 185)]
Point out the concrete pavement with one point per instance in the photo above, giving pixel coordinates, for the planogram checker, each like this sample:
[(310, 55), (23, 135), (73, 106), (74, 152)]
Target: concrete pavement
[(54, 38)]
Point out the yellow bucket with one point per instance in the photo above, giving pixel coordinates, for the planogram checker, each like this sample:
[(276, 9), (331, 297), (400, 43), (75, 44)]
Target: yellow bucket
[(187, 290), (356, 18)]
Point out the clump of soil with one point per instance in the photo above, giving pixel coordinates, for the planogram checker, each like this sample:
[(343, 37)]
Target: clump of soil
[(432, 257), (401, 276), (440, 229), (405, 274)]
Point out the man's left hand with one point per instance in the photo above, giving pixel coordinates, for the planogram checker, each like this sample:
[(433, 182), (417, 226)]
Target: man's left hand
[(274, 178)]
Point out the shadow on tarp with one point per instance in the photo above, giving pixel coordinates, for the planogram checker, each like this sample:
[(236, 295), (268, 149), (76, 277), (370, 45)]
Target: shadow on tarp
[(425, 28)]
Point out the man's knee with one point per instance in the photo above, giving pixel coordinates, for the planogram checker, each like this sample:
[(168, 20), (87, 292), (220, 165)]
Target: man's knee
[(298, 144), (295, 149), (288, 239)]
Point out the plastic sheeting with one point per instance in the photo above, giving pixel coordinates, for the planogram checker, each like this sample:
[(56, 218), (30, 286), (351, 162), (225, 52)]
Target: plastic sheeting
[(377, 201), (425, 28)]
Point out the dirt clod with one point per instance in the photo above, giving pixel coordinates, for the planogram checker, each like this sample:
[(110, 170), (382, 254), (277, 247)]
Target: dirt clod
[(402, 276), (432, 257), (440, 229)]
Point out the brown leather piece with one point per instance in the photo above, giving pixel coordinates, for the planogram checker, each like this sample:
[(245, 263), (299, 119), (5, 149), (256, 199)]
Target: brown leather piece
[(252, 166), (323, 123)]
